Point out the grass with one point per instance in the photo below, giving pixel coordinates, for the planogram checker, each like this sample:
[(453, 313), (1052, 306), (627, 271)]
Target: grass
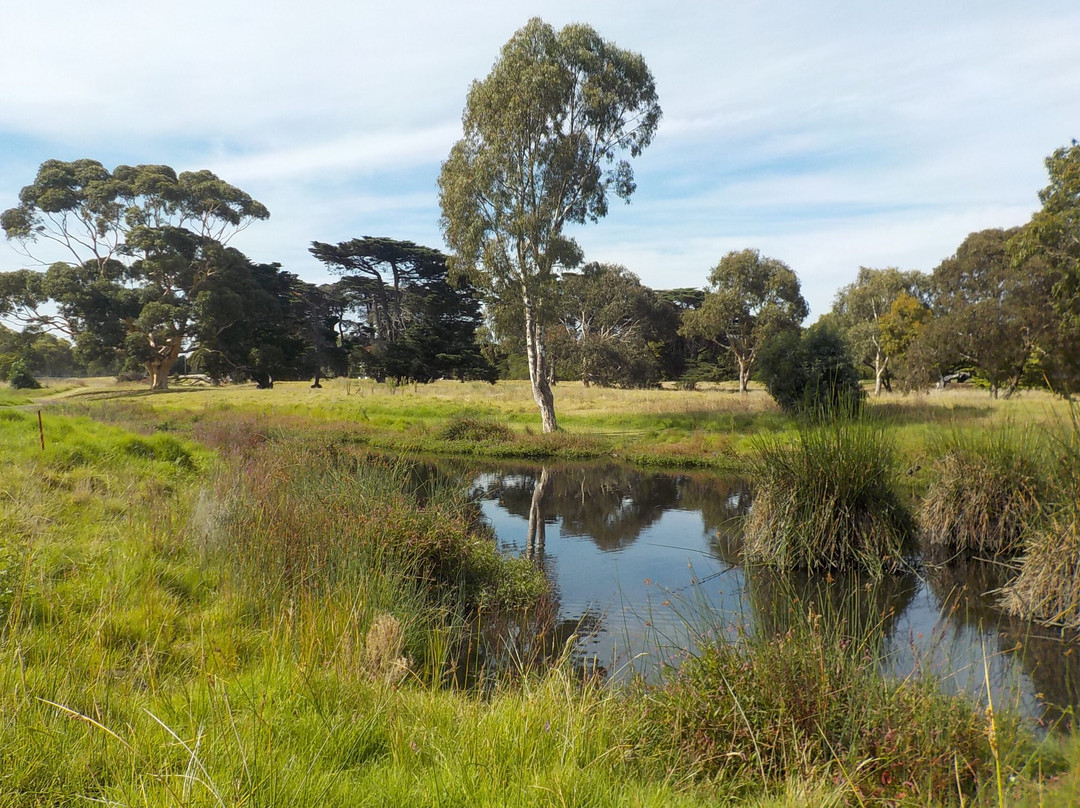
[(828, 501), (219, 597), (808, 701), (988, 488), (1048, 586)]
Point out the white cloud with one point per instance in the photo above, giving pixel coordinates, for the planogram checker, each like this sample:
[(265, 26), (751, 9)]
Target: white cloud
[(830, 134)]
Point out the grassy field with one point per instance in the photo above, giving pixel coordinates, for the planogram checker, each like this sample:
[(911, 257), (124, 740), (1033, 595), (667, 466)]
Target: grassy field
[(221, 597)]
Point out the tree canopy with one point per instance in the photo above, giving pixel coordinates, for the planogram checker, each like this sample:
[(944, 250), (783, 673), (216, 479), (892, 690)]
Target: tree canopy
[(750, 299), (863, 312), (543, 135), (414, 322), (145, 272)]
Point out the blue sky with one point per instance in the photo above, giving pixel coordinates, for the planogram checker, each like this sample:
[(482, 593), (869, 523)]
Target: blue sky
[(830, 135)]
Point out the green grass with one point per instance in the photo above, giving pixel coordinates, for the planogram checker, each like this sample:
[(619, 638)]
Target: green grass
[(806, 700), (222, 597), (828, 501)]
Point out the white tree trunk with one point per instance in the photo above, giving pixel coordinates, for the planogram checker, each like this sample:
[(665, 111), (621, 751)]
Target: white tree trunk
[(537, 534), (538, 370), (880, 364)]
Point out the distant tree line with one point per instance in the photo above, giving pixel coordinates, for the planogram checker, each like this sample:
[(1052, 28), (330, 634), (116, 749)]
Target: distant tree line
[(149, 280)]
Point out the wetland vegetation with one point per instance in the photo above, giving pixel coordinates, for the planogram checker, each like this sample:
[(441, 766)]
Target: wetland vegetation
[(229, 595)]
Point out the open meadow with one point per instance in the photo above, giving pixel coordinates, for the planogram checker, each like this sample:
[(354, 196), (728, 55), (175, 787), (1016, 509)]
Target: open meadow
[(227, 596)]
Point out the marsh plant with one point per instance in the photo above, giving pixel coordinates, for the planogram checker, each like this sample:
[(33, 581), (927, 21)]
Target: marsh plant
[(807, 699), (828, 500), (986, 492), (1048, 586)]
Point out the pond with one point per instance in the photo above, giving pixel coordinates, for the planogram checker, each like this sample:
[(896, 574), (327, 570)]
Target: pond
[(643, 563)]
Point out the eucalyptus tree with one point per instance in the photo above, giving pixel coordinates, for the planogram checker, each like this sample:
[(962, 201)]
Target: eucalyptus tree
[(861, 311), (544, 136), (610, 320), (1053, 234), (143, 258), (991, 308), (751, 298)]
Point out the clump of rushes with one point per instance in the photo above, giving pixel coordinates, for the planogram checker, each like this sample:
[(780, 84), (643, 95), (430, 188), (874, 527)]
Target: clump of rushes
[(987, 489), (828, 500), (810, 702), (473, 428), (1048, 587)]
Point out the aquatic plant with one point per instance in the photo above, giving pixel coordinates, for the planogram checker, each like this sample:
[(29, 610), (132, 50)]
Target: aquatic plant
[(809, 701), (827, 500), (986, 491)]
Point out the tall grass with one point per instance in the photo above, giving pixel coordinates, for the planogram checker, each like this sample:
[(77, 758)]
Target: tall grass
[(827, 500), (986, 491), (1048, 586)]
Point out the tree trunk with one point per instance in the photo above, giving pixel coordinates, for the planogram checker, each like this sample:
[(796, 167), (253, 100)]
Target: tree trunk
[(162, 364), (744, 375), (880, 365), (538, 370), (537, 534)]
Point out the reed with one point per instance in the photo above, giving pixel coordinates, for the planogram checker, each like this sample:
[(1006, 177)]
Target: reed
[(986, 492), (828, 500)]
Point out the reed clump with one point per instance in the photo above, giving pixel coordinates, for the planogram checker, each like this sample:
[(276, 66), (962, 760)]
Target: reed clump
[(1048, 587), (810, 702), (474, 428), (986, 492), (828, 500)]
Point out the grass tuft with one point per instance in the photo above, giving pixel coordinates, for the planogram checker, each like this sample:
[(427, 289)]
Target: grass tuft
[(986, 491), (828, 500)]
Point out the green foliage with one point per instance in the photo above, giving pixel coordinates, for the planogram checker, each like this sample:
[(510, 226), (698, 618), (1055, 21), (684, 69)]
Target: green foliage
[(147, 275), (809, 701), (416, 323), (608, 325), (20, 378), (990, 312), (751, 299), (541, 136), (811, 374), (1053, 238), (875, 333), (472, 428), (829, 500)]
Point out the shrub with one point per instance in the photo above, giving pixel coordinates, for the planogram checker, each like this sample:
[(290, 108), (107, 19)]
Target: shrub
[(829, 500), (986, 490), (1048, 587), (20, 378), (811, 374)]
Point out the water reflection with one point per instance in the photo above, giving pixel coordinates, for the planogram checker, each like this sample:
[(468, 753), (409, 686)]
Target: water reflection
[(644, 563)]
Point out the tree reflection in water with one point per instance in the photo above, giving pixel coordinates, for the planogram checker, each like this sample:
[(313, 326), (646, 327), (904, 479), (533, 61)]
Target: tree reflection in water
[(636, 558)]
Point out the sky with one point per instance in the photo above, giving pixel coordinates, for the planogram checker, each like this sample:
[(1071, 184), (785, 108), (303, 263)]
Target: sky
[(830, 135)]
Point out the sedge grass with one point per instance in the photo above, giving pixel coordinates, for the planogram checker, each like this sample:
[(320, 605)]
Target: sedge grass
[(987, 489), (829, 500)]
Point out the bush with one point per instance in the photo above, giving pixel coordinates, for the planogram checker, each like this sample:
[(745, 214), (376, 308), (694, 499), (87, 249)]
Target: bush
[(811, 374), (472, 428), (829, 500), (20, 378)]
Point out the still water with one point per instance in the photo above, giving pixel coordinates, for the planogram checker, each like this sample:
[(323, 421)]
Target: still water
[(643, 564)]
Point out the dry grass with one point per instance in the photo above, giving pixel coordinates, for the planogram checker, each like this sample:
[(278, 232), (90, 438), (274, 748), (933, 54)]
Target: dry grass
[(985, 493)]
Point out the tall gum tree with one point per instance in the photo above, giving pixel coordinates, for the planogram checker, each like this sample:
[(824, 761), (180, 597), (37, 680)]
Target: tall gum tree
[(141, 250), (543, 136), (861, 308)]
